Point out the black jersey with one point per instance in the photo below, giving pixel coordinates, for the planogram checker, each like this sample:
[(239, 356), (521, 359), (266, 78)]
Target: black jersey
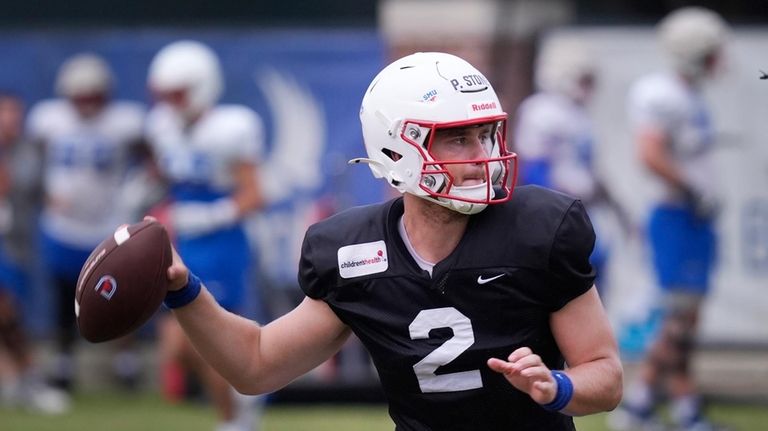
[(430, 337)]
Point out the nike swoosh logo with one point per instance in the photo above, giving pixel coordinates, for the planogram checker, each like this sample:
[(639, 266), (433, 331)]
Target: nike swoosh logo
[(481, 280)]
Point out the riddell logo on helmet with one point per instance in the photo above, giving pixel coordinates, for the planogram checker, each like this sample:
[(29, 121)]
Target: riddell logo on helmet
[(487, 106)]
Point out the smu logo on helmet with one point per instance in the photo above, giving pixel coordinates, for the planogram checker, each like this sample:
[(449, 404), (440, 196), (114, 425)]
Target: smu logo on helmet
[(429, 96), (106, 287)]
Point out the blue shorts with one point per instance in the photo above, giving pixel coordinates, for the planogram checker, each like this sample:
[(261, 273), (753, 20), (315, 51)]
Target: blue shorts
[(63, 260), (222, 260), (13, 279), (683, 249)]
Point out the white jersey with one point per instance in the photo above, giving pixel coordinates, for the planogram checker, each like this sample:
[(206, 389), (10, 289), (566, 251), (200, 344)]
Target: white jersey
[(198, 160), (86, 164), (553, 129), (666, 103)]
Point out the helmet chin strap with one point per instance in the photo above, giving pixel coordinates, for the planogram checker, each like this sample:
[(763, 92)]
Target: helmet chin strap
[(470, 192), (465, 207)]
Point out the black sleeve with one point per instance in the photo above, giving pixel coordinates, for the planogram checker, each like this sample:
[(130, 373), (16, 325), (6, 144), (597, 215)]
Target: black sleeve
[(309, 278), (569, 257), (318, 273)]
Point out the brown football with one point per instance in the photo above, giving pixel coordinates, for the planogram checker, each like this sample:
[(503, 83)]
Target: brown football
[(123, 282)]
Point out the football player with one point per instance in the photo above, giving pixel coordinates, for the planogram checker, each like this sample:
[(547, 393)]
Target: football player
[(673, 130), (209, 155), (555, 140), (470, 299), (21, 383), (90, 144)]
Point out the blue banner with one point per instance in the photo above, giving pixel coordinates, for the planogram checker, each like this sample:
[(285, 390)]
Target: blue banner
[(306, 84)]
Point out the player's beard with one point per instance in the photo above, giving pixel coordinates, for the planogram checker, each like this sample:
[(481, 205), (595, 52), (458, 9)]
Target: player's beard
[(436, 213)]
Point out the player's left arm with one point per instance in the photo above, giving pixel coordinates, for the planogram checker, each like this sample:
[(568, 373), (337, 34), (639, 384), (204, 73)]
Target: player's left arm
[(248, 194), (585, 338), (592, 381), (584, 335)]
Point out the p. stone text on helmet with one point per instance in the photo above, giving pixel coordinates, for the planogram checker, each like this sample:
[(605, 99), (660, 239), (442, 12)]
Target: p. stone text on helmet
[(472, 82)]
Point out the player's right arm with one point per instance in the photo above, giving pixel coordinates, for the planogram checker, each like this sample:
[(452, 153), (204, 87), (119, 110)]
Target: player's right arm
[(253, 358), (653, 148), (653, 145), (655, 109)]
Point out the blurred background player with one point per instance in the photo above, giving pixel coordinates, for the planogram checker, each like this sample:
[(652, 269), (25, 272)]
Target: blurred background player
[(554, 136), (209, 154), (675, 137), (21, 381), (90, 144)]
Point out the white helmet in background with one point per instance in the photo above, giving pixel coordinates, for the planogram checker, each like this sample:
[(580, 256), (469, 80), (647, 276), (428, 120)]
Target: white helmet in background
[(566, 66), (190, 67), (84, 74), (406, 103), (690, 36)]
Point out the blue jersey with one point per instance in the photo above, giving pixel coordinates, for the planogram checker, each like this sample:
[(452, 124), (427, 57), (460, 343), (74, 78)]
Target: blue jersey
[(198, 161), (87, 161), (683, 243)]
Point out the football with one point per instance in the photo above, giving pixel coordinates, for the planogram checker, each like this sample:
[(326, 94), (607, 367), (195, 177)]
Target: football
[(123, 281)]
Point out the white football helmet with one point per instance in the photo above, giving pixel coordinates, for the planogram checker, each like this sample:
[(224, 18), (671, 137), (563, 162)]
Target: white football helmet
[(689, 35), (84, 74), (191, 67), (407, 102), (566, 66)]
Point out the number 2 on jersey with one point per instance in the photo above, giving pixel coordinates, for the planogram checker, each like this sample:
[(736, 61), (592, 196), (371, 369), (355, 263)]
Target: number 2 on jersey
[(463, 338)]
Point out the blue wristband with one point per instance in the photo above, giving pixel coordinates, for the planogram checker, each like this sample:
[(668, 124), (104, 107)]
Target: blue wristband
[(564, 392), (185, 295)]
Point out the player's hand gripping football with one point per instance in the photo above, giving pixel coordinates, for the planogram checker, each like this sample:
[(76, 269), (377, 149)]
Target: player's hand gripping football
[(526, 372), (177, 272)]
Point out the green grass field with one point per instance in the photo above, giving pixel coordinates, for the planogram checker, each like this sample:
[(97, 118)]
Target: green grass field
[(114, 412)]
